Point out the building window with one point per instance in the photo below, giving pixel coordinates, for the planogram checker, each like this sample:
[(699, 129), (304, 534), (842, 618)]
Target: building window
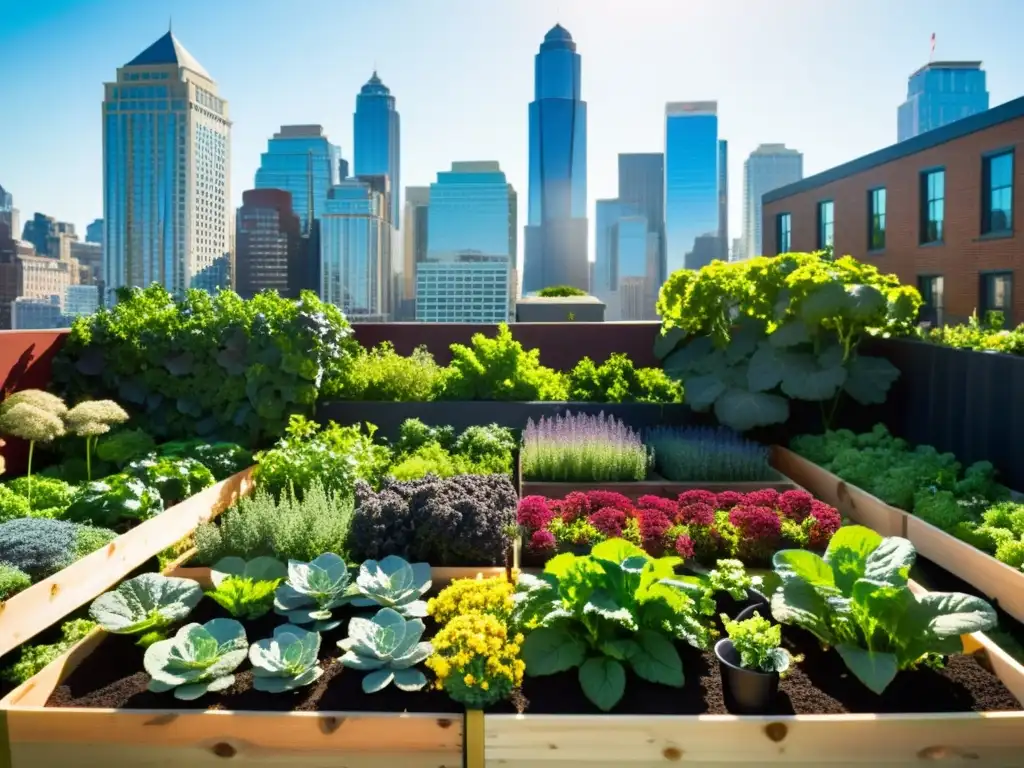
[(783, 233), (933, 206), (826, 223), (996, 294), (932, 291), (876, 219), (997, 191)]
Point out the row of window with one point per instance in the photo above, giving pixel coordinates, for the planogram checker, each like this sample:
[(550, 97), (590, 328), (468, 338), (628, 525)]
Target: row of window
[(995, 294), (996, 208)]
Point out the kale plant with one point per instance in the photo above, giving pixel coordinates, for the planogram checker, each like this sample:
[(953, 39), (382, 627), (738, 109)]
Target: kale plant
[(222, 459), (703, 454), (175, 478), (115, 502), (387, 647), (313, 590), (857, 600), (246, 589), (199, 659), (286, 661), (393, 583), (41, 547)]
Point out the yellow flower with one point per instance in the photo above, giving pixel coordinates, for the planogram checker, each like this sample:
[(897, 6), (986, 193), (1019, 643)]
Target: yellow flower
[(485, 685), (469, 680)]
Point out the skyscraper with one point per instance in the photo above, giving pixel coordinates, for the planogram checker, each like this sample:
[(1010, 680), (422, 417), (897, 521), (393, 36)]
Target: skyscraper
[(556, 231), (415, 219), (94, 232), (769, 167), (691, 184), (642, 186), (377, 134), (10, 225), (938, 93), (166, 173), (49, 237), (303, 162), (723, 200), (269, 247), (471, 246)]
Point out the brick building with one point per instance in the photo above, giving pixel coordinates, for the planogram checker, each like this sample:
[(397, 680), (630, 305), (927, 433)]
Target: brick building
[(938, 210)]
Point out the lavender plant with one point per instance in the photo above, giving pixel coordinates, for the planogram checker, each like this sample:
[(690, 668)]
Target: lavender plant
[(583, 448), (710, 454)]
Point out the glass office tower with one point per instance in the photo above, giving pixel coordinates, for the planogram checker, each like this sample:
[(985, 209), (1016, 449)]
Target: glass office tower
[(302, 161), (939, 93), (166, 174), (642, 184), (691, 184), (556, 236), (769, 167), (377, 140)]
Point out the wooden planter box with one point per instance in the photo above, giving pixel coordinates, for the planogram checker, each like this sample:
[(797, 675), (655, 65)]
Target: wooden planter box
[(883, 741), (38, 736), (30, 612), (861, 507)]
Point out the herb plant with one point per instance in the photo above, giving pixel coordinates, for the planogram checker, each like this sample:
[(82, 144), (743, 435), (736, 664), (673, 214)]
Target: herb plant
[(246, 589), (199, 659), (707, 454), (381, 374), (731, 577), (988, 334), (34, 658), (387, 647), (115, 502), (857, 600), (613, 607), (582, 448), (146, 605), (480, 450), (313, 590), (393, 583), (286, 661), (758, 643)]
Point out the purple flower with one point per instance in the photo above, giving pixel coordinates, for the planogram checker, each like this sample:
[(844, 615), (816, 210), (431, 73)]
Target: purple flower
[(686, 498), (766, 497), (697, 514), (796, 505), (582, 447), (728, 499), (534, 513), (609, 521), (684, 546), (826, 522), (603, 499), (542, 541)]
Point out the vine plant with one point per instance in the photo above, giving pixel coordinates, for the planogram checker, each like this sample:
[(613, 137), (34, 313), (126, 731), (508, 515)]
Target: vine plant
[(747, 337)]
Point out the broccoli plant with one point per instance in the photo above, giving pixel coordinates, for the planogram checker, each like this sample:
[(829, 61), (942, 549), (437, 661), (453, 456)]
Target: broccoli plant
[(286, 661), (200, 658), (91, 419), (35, 417)]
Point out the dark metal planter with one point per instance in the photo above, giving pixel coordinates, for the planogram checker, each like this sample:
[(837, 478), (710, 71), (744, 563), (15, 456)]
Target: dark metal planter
[(747, 692)]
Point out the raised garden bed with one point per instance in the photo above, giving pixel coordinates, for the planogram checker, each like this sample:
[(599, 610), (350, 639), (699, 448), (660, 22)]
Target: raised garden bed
[(29, 612)]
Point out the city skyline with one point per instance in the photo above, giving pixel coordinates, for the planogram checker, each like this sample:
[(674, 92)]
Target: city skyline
[(435, 85)]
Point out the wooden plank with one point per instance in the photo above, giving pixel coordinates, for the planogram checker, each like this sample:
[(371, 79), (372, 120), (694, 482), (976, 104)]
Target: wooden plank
[(30, 612), (998, 581), (474, 739), (536, 741), (656, 487), (852, 502)]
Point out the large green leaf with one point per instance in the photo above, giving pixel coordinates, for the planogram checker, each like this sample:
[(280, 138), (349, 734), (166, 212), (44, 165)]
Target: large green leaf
[(666, 341), (765, 370), (826, 301), (789, 334), (683, 360), (803, 378), (947, 614), (869, 379), (800, 564), (848, 552), (880, 604), (875, 670), (800, 604), (603, 681), (602, 604), (549, 650), (701, 392), (745, 337), (741, 409), (891, 561), (656, 659), (867, 304)]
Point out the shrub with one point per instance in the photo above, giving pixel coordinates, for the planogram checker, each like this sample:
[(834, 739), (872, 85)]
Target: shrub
[(618, 381), (381, 374), (13, 504), (477, 660), (561, 291), (582, 448), (41, 547), (707, 454), (48, 493), (125, 446), (287, 528), (33, 658), (12, 580), (986, 335), (461, 520), (115, 502)]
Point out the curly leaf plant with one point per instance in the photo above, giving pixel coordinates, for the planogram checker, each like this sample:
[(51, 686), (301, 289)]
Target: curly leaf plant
[(91, 419), (34, 416), (748, 337), (199, 659)]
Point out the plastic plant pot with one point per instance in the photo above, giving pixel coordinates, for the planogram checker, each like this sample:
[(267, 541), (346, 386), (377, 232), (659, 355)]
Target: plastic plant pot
[(762, 609), (747, 692), (725, 603)]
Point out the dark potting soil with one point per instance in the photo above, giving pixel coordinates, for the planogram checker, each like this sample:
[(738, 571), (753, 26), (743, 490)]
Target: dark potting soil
[(113, 677)]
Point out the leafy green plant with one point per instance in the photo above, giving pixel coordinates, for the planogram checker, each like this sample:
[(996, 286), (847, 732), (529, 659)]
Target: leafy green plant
[(125, 446), (41, 423), (12, 580), (758, 642), (613, 607), (561, 291), (213, 365), (246, 589), (393, 583), (617, 380), (499, 369), (198, 660), (988, 335), (413, 434), (285, 528), (222, 459), (13, 504), (731, 577), (174, 478), (387, 647), (90, 420), (746, 337), (336, 455), (286, 661), (34, 658), (50, 496), (313, 590), (41, 546), (857, 600), (114, 502), (146, 605), (381, 374), (480, 450)]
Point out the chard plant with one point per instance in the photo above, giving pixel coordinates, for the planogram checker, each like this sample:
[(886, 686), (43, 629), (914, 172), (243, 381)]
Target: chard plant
[(758, 643), (387, 647), (313, 590), (199, 659), (246, 589), (146, 605), (286, 661), (856, 599), (393, 583), (616, 606)]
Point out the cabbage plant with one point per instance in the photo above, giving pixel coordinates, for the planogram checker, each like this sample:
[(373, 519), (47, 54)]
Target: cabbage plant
[(199, 659), (313, 590), (146, 604), (857, 600), (387, 647), (393, 583), (286, 661), (246, 589)]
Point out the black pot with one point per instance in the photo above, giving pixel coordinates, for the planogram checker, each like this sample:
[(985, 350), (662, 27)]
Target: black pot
[(764, 609), (746, 692), (730, 606)]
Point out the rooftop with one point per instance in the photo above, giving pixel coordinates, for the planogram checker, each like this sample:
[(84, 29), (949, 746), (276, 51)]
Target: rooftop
[(558, 37), (169, 50), (948, 65)]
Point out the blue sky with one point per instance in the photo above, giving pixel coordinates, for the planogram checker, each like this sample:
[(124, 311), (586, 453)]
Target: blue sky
[(823, 76)]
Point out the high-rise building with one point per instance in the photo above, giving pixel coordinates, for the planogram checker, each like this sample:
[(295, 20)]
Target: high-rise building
[(89, 257), (12, 272), (556, 227), (355, 248), (723, 200), (738, 252), (691, 185), (377, 133), (269, 254), (10, 223), (166, 173), (768, 168), (414, 248), (94, 232), (6, 200), (642, 185), (303, 162), (49, 237), (81, 300), (471, 246), (33, 314), (939, 93)]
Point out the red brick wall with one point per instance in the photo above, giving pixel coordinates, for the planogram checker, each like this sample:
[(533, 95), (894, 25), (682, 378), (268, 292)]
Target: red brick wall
[(963, 255)]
